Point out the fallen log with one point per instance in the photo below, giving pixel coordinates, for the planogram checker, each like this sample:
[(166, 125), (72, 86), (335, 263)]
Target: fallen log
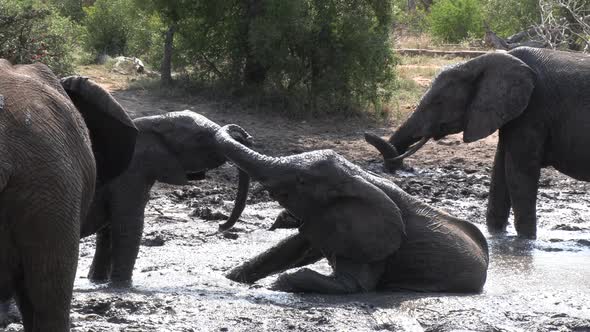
[(458, 53)]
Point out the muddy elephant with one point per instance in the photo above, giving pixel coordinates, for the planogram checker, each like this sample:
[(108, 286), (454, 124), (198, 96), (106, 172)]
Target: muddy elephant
[(373, 234), (538, 99), (170, 148), (58, 143)]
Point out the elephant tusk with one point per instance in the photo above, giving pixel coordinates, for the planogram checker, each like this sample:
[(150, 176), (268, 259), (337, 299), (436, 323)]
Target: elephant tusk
[(410, 150)]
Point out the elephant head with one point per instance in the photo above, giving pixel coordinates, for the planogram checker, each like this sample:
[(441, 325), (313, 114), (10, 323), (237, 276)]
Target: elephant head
[(327, 194), (476, 97), (184, 145), (112, 133)]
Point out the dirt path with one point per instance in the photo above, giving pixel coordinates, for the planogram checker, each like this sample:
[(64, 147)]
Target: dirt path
[(179, 284)]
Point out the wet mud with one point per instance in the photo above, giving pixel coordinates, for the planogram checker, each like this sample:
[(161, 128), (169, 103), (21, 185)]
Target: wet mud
[(179, 282)]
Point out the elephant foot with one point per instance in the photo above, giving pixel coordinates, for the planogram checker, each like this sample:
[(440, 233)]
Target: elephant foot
[(97, 279), (239, 274), (310, 281), (526, 230), (8, 314), (121, 284), (497, 225)]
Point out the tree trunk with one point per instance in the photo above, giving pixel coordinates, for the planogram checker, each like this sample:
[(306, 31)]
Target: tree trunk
[(166, 69), (411, 5), (254, 71)]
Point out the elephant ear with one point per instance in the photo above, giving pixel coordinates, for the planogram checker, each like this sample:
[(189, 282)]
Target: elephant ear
[(503, 88), (112, 132), (170, 133), (360, 223)]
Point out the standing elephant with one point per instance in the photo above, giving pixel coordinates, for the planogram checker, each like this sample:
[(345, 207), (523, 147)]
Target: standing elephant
[(170, 148), (540, 101), (56, 145), (373, 234)]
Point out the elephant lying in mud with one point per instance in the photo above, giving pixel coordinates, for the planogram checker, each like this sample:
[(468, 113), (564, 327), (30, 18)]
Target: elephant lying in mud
[(58, 143), (539, 99), (373, 234), (170, 148)]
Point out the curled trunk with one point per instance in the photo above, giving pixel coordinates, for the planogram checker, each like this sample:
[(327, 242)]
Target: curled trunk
[(233, 141), (399, 143)]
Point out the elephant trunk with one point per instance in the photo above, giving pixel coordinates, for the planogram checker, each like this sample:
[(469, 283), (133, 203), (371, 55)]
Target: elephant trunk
[(240, 203), (401, 142), (234, 142), (255, 164)]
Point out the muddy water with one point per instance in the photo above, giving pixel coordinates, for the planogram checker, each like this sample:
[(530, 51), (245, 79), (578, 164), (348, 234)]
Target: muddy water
[(541, 285)]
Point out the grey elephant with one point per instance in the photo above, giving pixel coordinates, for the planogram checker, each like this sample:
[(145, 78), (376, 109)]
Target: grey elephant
[(58, 142), (373, 234), (170, 148), (538, 99)]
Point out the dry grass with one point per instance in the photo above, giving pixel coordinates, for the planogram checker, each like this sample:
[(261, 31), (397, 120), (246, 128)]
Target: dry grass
[(414, 73), (414, 76), (425, 41), (105, 76)]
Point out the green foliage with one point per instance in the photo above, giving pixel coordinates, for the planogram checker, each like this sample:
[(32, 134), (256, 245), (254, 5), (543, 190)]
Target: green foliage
[(309, 54), (455, 20), (31, 31), (118, 27), (108, 26), (69, 8), (507, 17)]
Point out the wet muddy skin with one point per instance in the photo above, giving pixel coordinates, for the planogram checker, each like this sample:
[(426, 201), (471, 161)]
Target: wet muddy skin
[(179, 282)]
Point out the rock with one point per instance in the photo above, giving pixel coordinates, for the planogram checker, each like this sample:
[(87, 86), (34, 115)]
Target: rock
[(128, 65), (153, 240), (231, 236), (206, 213)]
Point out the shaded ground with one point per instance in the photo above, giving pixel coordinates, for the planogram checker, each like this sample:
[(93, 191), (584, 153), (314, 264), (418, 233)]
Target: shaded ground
[(179, 285)]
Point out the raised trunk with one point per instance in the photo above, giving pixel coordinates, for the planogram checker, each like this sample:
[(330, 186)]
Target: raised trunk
[(255, 164), (240, 203), (166, 69)]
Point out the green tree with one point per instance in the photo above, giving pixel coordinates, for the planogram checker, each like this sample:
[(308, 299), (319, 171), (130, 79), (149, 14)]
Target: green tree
[(507, 17), (31, 31), (455, 20)]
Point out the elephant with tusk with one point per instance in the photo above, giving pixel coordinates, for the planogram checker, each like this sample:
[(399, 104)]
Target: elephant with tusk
[(373, 234), (537, 98)]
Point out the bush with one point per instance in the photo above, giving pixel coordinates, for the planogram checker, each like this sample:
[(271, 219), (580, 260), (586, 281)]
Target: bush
[(119, 27), (34, 32), (108, 25), (317, 56), (455, 20), (507, 17)]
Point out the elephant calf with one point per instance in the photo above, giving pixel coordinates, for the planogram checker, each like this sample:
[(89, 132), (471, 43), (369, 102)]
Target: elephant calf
[(170, 148), (373, 234)]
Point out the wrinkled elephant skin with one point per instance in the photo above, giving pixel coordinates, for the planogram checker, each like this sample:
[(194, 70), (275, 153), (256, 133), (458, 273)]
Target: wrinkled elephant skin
[(170, 148), (58, 142), (537, 98), (374, 235)]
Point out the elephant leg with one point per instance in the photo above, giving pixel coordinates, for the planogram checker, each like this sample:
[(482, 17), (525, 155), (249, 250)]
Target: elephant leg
[(101, 263), (348, 277), (127, 206), (45, 292), (294, 251), (499, 199), (523, 169)]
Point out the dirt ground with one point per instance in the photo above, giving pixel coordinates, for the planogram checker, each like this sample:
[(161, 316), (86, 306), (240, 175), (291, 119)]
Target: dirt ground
[(179, 282)]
